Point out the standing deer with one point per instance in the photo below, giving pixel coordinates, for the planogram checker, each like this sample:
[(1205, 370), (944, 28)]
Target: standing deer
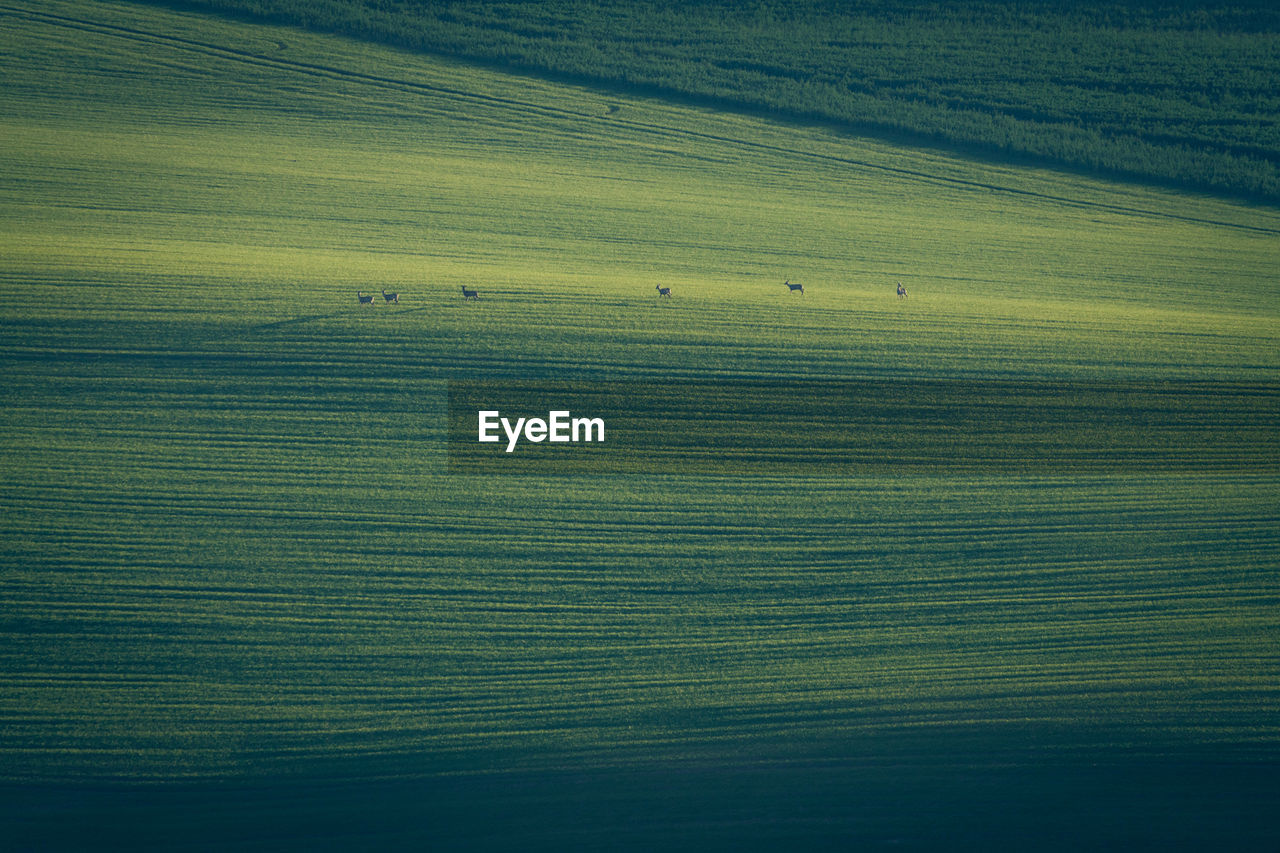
[(364, 300), (795, 287), (391, 297), (469, 294), (902, 291), (663, 291)]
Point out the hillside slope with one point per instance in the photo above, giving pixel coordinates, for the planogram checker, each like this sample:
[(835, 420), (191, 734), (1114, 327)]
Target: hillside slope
[(1181, 93)]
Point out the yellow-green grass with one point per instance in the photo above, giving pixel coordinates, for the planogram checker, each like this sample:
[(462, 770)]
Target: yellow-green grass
[(233, 552)]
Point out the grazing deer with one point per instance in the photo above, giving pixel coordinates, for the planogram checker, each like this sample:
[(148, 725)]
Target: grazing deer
[(795, 287), (469, 294), (364, 300), (391, 297), (902, 291), (663, 291)]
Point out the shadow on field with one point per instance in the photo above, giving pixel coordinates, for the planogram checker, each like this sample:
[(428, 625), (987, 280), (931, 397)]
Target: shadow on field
[(332, 315), (295, 321), (826, 805)]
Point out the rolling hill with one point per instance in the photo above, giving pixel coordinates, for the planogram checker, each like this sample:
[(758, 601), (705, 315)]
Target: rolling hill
[(1170, 91)]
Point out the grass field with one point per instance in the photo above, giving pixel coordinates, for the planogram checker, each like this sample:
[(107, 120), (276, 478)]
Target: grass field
[(1176, 91), (245, 600)]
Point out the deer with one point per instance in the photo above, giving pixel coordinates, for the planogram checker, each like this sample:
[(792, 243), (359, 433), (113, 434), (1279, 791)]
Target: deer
[(663, 291), (391, 297), (469, 294), (795, 287), (364, 300), (902, 291)]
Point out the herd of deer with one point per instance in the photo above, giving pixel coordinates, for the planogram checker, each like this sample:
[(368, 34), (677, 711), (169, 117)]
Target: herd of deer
[(468, 293)]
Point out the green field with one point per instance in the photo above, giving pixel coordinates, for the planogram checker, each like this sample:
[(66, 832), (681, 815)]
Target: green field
[(1176, 91), (245, 601)]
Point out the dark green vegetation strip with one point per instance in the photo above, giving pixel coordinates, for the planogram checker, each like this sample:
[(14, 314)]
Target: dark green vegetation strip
[(863, 427), (1177, 92), (243, 600)]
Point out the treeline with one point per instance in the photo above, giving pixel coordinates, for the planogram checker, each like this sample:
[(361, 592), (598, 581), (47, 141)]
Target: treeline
[(1166, 90)]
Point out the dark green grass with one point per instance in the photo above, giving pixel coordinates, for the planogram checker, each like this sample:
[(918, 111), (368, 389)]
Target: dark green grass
[(1175, 92), (822, 804), (245, 602)]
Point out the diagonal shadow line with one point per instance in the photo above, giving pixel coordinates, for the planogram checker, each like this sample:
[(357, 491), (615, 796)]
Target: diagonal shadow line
[(278, 324), (309, 318)]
